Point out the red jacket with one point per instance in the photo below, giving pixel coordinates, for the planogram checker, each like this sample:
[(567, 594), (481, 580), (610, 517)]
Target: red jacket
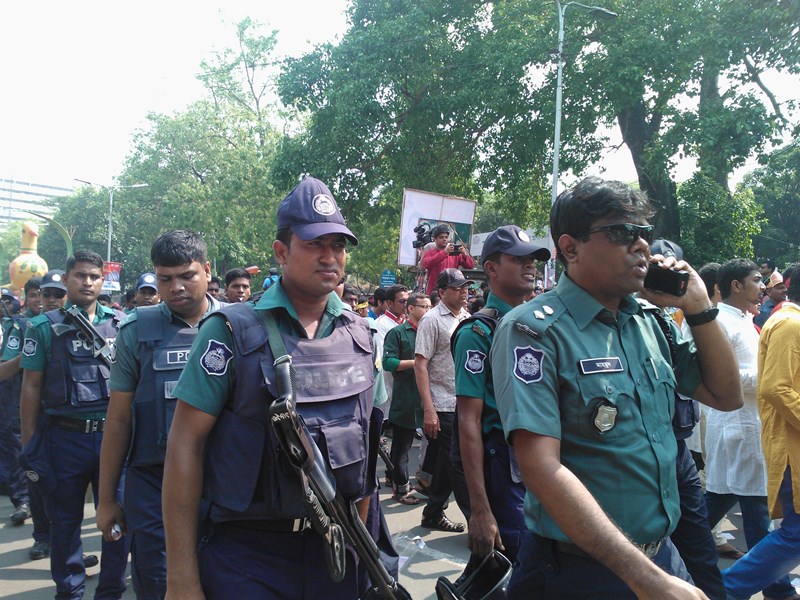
[(435, 261)]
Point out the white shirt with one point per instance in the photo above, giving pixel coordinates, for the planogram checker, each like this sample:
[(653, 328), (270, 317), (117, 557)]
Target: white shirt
[(383, 325), (734, 458)]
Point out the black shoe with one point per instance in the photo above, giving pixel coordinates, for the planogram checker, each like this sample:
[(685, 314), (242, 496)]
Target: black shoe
[(90, 560), (443, 524), (22, 513), (39, 550)]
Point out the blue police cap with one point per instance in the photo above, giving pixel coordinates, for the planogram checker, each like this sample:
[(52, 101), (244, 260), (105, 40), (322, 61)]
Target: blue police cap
[(311, 212), (146, 280), (53, 279), (510, 239)]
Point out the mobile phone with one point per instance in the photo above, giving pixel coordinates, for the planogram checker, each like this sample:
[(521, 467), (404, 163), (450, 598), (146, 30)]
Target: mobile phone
[(456, 249), (666, 280)]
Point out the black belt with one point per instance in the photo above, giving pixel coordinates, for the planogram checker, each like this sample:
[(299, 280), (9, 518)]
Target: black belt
[(77, 425), (649, 550), (271, 525)]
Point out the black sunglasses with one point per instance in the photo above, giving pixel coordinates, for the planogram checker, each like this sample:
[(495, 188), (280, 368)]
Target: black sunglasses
[(54, 293), (623, 234)]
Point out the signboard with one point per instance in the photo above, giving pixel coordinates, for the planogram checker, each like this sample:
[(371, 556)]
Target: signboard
[(388, 278), (425, 210), (111, 276)]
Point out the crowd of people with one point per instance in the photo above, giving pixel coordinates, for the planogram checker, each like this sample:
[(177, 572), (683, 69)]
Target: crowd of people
[(595, 435)]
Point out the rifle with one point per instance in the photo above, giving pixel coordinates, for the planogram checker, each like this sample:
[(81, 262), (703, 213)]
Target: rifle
[(331, 515), (101, 349)]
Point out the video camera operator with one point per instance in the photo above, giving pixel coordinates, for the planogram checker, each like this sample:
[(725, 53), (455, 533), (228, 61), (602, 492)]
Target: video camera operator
[(443, 254)]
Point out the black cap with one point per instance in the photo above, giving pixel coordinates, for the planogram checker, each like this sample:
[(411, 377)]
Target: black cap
[(53, 279), (452, 278), (311, 212), (510, 239), (146, 280), (666, 248)]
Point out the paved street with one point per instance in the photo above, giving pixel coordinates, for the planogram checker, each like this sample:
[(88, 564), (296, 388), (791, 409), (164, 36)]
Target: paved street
[(438, 554)]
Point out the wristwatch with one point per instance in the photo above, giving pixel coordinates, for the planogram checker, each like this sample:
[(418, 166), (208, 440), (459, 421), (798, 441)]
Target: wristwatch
[(702, 318)]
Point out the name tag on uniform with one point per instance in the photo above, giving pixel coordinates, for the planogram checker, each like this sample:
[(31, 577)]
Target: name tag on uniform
[(609, 364)]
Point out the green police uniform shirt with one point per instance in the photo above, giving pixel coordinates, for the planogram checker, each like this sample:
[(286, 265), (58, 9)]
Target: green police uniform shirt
[(567, 369), (208, 390), (473, 369), (127, 365), (38, 338), (12, 339)]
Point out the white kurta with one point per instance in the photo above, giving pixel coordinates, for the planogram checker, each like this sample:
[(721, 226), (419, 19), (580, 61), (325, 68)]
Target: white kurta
[(734, 458)]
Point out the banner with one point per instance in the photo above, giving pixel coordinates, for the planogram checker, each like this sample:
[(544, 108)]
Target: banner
[(111, 276)]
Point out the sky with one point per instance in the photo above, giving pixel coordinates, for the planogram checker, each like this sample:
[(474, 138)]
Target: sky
[(79, 78)]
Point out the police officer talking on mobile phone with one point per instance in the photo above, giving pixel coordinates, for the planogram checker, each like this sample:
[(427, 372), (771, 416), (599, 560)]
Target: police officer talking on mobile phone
[(584, 382)]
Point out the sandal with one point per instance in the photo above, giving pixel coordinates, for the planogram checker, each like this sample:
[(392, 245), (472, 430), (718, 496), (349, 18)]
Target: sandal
[(730, 551), (443, 524), (406, 499)]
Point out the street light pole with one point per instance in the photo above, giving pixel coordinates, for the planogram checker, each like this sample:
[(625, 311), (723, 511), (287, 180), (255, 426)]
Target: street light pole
[(600, 12), (111, 189)]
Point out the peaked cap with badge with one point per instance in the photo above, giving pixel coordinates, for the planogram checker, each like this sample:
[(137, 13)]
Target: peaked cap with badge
[(311, 211), (53, 279), (511, 240), (146, 280)]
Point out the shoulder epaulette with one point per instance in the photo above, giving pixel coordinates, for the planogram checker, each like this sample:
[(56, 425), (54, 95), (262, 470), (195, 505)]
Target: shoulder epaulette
[(546, 309)]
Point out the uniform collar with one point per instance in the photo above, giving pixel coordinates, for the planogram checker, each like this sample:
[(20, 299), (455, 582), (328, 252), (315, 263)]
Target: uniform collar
[(213, 306), (99, 309), (584, 308), (501, 306), (275, 297)]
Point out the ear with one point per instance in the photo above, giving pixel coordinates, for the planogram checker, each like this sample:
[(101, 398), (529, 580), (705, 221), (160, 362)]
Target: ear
[(568, 248), (281, 251), (207, 271), (490, 268), (736, 286)]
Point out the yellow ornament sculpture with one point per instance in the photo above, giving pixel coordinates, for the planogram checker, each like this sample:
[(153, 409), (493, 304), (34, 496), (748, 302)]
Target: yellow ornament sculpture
[(28, 264)]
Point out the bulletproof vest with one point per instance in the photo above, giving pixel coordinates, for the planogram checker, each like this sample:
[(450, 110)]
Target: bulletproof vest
[(333, 393), (76, 381), (164, 344)]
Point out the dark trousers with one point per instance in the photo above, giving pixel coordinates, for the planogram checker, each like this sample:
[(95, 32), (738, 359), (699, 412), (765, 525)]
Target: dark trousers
[(237, 563), (11, 443), (692, 537), (75, 458), (543, 572), (402, 441), (756, 522), (146, 531), (41, 522), (441, 485)]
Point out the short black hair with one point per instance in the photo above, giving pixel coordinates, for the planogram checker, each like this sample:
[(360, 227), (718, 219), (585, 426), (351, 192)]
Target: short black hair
[(178, 247), (379, 295), (767, 261), (391, 292), (350, 290), (592, 199), (793, 293), (215, 279), (105, 297), (87, 256), (416, 297), (439, 230), (237, 274), (32, 283), (736, 269), (285, 236), (130, 294), (708, 273), (787, 272)]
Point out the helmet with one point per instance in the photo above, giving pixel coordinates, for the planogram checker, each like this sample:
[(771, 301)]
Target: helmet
[(488, 582)]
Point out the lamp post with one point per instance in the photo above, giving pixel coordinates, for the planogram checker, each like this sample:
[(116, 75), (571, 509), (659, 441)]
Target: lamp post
[(599, 12), (111, 189)]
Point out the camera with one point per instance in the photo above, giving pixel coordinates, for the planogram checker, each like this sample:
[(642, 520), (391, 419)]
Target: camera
[(456, 249), (423, 236), (666, 280)]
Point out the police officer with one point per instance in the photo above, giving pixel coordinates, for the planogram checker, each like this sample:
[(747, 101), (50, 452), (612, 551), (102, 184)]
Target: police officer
[(496, 491), (147, 290), (152, 347), (584, 383), (64, 380), (261, 546)]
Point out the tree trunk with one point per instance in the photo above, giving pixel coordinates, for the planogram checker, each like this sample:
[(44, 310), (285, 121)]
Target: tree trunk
[(711, 159), (654, 177)]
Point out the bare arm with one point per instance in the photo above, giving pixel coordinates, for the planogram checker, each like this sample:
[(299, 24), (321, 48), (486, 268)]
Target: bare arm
[(430, 424), (9, 368), (29, 403), (484, 534), (116, 441), (406, 364), (183, 483), (582, 519), (721, 387)]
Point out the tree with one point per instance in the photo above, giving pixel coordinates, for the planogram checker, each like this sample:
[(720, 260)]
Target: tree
[(717, 225), (776, 188)]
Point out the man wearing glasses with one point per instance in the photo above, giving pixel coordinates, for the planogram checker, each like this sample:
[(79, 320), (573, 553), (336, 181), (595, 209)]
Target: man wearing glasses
[(585, 379)]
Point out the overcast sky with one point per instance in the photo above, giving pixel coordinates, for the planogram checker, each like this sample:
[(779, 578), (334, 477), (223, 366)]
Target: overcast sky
[(78, 78)]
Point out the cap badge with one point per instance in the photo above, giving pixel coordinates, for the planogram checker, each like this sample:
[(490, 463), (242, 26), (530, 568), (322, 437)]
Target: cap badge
[(523, 236), (56, 277), (323, 205), (149, 279)]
